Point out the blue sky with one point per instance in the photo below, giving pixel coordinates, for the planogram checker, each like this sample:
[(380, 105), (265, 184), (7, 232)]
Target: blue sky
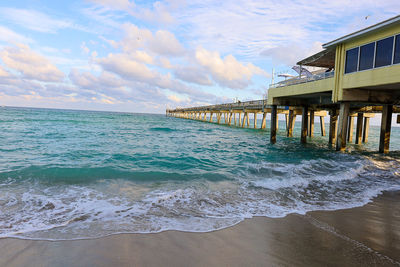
[(144, 56)]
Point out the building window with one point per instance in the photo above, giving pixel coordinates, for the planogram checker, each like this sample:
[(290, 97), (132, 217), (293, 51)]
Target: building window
[(397, 50), (351, 60), (367, 56), (384, 52)]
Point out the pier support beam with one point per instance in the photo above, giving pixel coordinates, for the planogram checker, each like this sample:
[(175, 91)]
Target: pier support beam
[(219, 117), (264, 120), (234, 118), (350, 130), (366, 130), (359, 127), (311, 128), (342, 129), (322, 123), (304, 124), (386, 125), (240, 115), (291, 122), (244, 119), (255, 120), (230, 118), (274, 119), (333, 126)]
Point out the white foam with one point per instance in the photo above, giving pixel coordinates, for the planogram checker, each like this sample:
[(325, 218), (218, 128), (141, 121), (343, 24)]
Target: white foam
[(264, 189)]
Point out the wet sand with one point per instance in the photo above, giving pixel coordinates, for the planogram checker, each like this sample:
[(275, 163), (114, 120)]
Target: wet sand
[(364, 236)]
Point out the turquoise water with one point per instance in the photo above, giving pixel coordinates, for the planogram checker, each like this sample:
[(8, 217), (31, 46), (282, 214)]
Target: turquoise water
[(77, 174)]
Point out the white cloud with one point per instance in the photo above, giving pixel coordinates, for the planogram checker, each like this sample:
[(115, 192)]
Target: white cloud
[(115, 4), (161, 43), (178, 99), (227, 71), (9, 36), (247, 27), (165, 63), (143, 56), (84, 48), (3, 72), (193, 75), (158, 13), (30, 64), (34, 20), (87, 80), (165, 43), (291, 53), (127, 67)]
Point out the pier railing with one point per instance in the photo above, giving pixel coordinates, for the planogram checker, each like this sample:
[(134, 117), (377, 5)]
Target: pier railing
[(255, 104), (312, 78)]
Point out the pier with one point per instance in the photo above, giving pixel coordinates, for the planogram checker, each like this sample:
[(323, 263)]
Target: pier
[(357, 76)]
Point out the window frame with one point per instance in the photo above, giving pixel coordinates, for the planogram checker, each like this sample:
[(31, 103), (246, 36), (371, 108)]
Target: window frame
[(357, 63), (374, 59), (396, 38), (391, 61), (373, 56)]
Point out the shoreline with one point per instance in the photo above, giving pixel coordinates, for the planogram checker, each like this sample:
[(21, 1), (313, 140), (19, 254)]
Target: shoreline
[(367, 235)]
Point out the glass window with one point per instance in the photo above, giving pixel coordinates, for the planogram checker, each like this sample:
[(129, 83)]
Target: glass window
[(351, 60), (367, 56), (384, 52), (397, 50)]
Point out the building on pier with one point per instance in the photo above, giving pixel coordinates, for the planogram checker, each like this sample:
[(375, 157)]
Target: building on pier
[(362, 75)]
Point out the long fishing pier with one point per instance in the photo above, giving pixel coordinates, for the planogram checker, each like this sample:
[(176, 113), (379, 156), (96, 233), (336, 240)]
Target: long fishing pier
[(238, 114), (357, 76)]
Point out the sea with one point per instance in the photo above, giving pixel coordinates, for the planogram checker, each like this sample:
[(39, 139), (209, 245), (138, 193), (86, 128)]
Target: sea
[(68, 174)]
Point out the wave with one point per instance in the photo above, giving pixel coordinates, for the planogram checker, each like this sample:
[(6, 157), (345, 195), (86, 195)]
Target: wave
[(72, 211), (84, 175), (162, 129)]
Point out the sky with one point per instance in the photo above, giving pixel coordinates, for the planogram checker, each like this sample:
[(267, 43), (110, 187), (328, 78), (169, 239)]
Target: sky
[(146, 56)]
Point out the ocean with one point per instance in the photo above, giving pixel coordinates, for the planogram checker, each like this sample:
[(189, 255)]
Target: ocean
[(67, 174)]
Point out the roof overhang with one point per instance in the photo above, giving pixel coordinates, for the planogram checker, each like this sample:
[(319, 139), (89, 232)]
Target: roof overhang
[(323, 59), (369, 29)]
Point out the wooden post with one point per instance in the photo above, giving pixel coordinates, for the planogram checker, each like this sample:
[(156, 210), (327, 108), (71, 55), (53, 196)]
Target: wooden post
[(342, 129), (247, 120), (255, 120), (244, 119), (350, 130), (219, 117), (304, 124), (211, 117), (234, 118), (230, 119), (333, 126), (311, 129), (386, 125), (274, 119), (322, 122), (366, 130), (359, 127), (291, 122), (264, 120), (240, 114)]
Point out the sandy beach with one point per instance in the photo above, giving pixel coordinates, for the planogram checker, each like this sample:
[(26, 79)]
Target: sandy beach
[(364, 236)]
